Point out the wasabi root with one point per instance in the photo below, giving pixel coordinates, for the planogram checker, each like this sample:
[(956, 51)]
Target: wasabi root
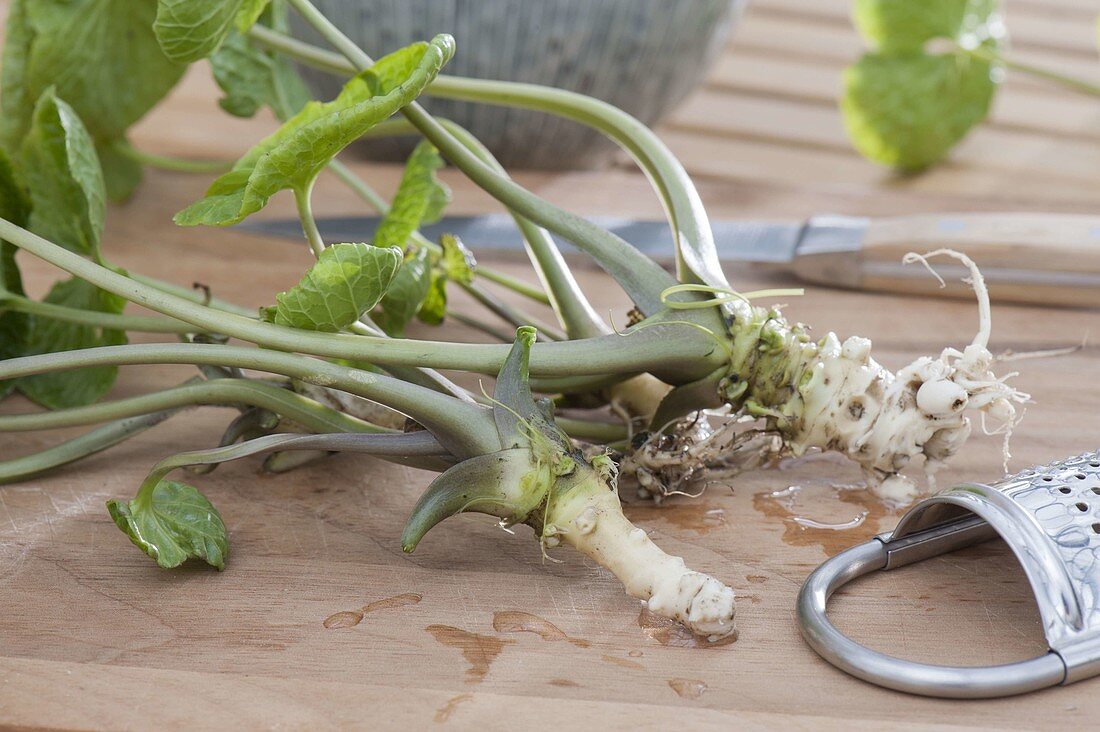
[(833, 396)]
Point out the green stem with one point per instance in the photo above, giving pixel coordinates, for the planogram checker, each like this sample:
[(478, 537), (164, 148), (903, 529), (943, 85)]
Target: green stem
[(94, 318), (70, 451), (398, 445), (194, 295), (302, 197), (602, 432), (674, 352), (379, 204), (310, 414), (166, 162), (566, 296), (1069, 82), (641, 277), (509, 314), (463, 428), (684, 207), (485, 328)]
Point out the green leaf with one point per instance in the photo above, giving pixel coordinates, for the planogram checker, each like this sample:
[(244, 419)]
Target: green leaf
[(14, 326), (189, 30), (101, 55), (15, 101), (250, 12), (174, 523), (434, 308), (63, 176), (253, 78), (458, 261), (297, 152), (84, 386), (15, 206), (904, 26), (405, 296), (346, 281), (420, 198), (909, 111)]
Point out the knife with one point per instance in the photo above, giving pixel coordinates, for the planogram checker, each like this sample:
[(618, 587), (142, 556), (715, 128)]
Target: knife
[(1048, 259)]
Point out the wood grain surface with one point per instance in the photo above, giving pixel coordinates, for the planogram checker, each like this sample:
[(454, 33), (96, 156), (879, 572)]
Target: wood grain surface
[(484, 632)]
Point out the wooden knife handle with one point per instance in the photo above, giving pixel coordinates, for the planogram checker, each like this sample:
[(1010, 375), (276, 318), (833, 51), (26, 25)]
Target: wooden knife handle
[(1050, 259)]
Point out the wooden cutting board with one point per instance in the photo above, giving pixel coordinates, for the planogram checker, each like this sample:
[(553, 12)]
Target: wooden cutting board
[(319, 620)]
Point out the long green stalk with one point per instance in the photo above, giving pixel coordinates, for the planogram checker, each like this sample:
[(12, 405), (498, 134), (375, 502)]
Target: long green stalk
[(217, 392), (413, 444), (309, 225), (97, 440), (94, 318), (1078, 85), (463, 428), (510, 314), (166, 162), (567, 298), (673, 351)]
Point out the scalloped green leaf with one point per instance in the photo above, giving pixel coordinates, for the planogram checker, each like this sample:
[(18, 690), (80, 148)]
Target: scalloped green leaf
[(62, 390), (406, 295), (297, 152), (904, 25), (63, 177), (101, 55), (420, 199), (250, 12), (252, 78), (458, 261), (188, 30), (434, 308), (346, 281), (173, 524), (909, 111)]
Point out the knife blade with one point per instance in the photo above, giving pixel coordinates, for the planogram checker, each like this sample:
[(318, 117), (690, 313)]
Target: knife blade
[(1049, 259)]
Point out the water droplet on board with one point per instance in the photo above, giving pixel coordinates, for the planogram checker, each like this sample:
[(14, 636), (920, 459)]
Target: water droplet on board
[(479, 650), (688, 688), (825, 501), (345, 619), (624, 662), (351, 618), (407, 598), (515, 621)]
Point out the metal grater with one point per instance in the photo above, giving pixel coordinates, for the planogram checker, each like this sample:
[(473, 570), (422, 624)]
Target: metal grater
[(1050, 518)]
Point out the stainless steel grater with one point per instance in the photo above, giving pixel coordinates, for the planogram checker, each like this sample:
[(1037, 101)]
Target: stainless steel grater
[(1050, 518)]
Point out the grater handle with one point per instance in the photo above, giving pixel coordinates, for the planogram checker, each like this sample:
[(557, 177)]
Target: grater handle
[(958, 682)]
